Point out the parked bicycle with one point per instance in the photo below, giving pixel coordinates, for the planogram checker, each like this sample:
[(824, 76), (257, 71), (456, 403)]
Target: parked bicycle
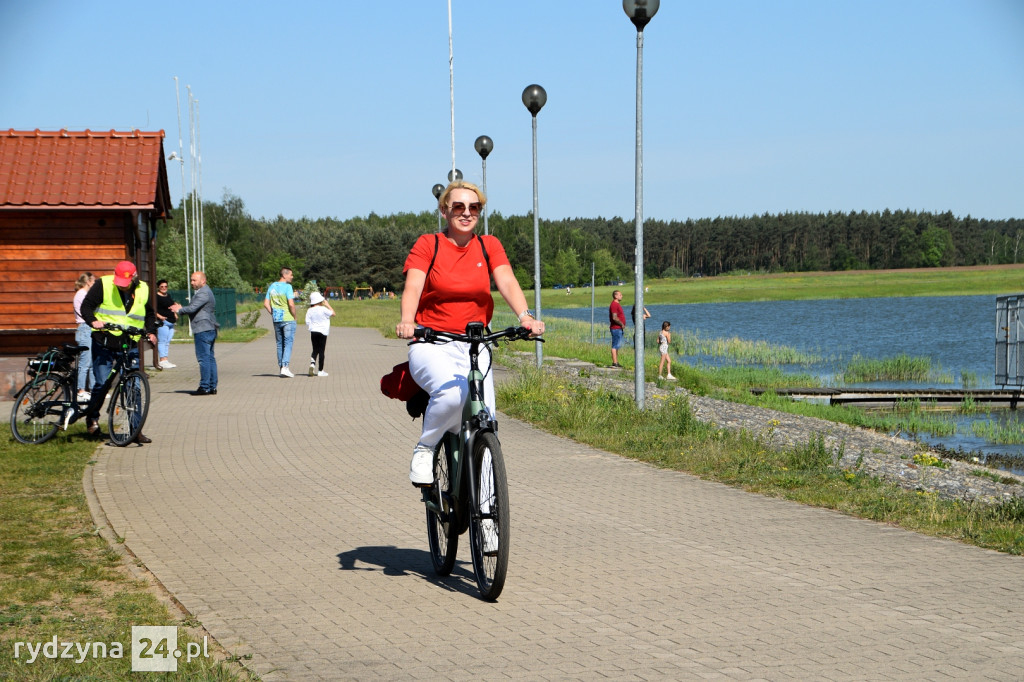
[(470, 489), (50, 391), (47, 402)]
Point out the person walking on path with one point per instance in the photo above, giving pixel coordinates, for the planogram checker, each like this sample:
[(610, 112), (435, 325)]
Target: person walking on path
[(167, 318), (202, 310), (447, 286), (665, 338), (318, 320), (121, 298), (83, 337), (616, 323), (280, 303)]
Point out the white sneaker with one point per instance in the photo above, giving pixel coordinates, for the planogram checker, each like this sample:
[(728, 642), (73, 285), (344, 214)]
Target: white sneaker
[(312, 369), (285, 372), (167, 364), (66, 417), (490, 534), (321, 373), (84, 396), (670, 377), (421, 469)]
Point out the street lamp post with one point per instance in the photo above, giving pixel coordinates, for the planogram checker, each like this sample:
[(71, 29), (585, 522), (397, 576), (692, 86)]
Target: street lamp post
[(534, 97), (640, 12), (436, 191), (483, 146)]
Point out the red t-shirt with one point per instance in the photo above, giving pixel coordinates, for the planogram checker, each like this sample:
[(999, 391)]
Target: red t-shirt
[(458, 289), (614, 308)]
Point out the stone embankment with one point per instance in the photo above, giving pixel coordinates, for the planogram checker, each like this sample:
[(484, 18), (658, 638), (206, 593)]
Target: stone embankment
[(886, 457)]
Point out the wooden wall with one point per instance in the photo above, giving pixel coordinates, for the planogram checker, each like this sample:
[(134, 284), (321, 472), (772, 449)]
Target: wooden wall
[(43, 253)]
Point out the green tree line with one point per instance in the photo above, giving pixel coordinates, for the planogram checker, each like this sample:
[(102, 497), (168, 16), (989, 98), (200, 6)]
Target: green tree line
[(246, 252)]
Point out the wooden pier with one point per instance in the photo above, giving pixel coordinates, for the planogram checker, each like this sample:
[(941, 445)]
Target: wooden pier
[(939, 398)]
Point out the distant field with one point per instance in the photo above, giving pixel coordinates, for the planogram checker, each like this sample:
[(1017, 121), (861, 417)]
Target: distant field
[(975, 281), (980, 280)]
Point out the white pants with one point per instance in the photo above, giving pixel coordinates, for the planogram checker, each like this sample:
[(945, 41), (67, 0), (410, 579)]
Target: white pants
[(440, 370)]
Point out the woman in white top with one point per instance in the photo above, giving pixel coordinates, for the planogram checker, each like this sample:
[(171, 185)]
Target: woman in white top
[(664, 338), (83, 337), (318, 320)]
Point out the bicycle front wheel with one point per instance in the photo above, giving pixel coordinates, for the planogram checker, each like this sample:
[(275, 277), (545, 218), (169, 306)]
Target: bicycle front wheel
[(489, 521), (442, 527), (35, 416), (129, 406)]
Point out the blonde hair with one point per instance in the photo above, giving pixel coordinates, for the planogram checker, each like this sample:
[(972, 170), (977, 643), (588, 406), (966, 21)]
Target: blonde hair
[(442, 199), (83, 280)]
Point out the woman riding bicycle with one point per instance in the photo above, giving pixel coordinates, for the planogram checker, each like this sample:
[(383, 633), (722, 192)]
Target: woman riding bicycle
[(447, 286)]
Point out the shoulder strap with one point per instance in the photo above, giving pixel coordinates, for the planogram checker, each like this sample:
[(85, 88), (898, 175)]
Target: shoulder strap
[(437, 245), (484, 249)]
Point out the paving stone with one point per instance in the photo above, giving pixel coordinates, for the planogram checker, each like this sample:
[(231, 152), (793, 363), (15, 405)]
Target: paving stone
[(279, 512)]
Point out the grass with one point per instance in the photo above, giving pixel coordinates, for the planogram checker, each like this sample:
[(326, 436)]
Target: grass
[(979, 280), (741, 350), (58, 577), (900, 367), (667, 435), (1004, 433)]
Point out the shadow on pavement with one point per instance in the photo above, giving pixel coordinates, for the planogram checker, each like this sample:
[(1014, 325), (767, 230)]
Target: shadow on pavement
[(397, 562)]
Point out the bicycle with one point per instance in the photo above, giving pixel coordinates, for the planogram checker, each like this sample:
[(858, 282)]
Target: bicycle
[(470, 486), (129, 401), (40, 404)]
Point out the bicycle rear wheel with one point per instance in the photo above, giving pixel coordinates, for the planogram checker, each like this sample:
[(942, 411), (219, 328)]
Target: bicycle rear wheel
[(442, 532), (37, 409), (129, 406), (489, 521)]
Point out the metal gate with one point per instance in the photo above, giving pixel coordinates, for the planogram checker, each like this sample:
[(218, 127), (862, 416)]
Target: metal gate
[(1009, 338)]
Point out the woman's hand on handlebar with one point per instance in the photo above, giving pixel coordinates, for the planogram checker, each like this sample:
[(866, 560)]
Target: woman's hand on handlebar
[(405, 330), (536, 327)]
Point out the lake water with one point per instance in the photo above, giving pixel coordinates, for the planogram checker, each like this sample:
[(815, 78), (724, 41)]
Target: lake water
[(956, 332)]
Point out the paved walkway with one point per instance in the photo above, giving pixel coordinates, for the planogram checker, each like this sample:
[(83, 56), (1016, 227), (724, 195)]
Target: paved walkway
[(279, 512)]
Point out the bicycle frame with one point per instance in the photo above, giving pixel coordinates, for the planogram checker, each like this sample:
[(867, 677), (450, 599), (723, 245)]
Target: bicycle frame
[(475, 420)]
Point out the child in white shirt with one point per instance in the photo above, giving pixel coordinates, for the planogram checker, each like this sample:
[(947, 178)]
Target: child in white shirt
[(318, 320)]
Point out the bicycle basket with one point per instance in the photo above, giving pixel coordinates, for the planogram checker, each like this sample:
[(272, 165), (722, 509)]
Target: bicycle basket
[(52, 361)]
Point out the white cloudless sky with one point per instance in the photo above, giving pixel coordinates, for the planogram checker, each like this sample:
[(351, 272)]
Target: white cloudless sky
[(341, 108)]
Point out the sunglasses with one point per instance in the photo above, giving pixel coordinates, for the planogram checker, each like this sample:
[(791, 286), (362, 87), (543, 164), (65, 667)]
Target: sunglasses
[(458, 208)]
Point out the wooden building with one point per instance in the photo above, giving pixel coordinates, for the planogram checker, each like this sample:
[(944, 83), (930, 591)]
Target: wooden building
[(70, 202)]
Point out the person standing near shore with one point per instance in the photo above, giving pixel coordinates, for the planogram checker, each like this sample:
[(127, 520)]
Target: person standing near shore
[(616, 323), (665, 338), (202, 310), (167, 319), (318, 321), (280, 303)]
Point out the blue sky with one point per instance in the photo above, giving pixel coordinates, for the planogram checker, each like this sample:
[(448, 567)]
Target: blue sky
[(750, 106)]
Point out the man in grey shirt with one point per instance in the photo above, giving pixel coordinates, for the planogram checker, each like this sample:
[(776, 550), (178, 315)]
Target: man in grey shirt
[(202, 310)]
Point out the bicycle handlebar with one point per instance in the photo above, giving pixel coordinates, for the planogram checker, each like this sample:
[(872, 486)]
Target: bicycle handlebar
[(512, 333), (130, 331)]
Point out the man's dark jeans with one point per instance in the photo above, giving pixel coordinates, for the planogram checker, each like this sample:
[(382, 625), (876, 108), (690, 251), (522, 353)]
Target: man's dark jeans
[(204, 342)]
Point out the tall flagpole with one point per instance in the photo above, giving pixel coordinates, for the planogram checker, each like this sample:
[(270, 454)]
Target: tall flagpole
[(181, 163), (451, 82)]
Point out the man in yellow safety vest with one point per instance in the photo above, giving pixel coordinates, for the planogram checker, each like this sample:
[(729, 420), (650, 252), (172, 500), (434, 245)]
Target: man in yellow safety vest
[(121, 299)]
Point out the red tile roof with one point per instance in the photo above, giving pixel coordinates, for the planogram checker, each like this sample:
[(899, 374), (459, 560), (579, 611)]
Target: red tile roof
[(68, 169)]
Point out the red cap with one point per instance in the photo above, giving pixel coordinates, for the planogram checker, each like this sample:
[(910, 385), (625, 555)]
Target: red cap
[(124, 273)]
